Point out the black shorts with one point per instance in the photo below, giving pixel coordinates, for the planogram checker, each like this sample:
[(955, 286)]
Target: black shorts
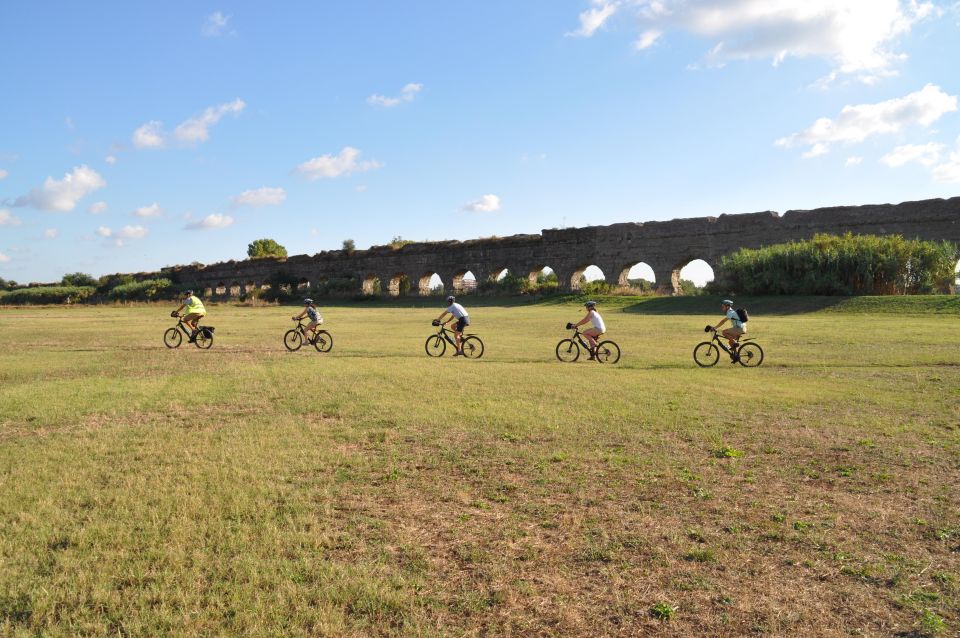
[(462, 323)]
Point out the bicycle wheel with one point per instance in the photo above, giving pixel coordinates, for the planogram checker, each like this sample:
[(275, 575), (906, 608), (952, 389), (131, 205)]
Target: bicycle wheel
[(204, 339), (751, 355), (292, 340), (568, 351), (435, 346), (472, 347), (323, 341), (706, 354), (608, 352), (172, 338)]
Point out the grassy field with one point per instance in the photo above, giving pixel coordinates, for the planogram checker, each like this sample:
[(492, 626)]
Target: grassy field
[(372, 491)]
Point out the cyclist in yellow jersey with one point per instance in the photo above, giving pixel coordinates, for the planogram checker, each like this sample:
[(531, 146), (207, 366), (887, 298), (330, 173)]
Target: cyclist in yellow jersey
[(195, 311)]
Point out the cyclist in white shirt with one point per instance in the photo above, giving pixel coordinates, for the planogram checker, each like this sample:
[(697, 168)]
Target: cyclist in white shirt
[(596, 328), (310, 310), (736, 329), (459, 314)]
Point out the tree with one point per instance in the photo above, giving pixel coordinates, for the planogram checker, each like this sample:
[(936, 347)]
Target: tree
[(78, 279), (399, 242), (349, 246), (265, 248)]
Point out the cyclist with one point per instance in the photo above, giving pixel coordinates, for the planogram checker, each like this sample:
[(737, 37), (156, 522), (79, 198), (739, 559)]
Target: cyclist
[(310, 310), (195, 311), (596, 329), (458, 313), (736, 329)]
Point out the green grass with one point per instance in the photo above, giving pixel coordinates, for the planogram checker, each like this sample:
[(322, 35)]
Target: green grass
[(250, 491)]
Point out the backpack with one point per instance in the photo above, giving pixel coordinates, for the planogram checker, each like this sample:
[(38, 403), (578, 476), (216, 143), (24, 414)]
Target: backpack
[(742, 314)]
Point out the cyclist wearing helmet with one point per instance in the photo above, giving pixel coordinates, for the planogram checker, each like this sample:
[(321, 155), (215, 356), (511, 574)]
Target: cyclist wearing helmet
[(596, 328), (310, 310), (736, 330), (458, 313), (195, 311)]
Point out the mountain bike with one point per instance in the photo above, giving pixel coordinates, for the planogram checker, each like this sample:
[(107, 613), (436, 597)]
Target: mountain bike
[(748, 352), (568, 350), (294, 338), (436, 344), (173, 337)]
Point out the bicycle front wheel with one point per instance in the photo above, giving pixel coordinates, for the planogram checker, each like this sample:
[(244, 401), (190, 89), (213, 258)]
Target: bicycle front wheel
[(568, 351), (292, 340), (751, 355), (706, 354), (435, 346), (172, 338), (608, 352), (472, 347), (323, 341), (204, 339)]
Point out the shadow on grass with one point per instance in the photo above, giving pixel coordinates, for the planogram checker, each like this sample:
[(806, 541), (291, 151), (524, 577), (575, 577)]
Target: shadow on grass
[(710, 305)]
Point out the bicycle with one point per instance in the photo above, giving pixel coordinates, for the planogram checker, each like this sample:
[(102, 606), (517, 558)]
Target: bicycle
[(173, 337), (748, 353), (568, 350), (436, 345), (294, 338)]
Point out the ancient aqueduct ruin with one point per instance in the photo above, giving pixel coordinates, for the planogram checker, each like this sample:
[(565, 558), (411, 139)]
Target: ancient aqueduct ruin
[(665, 246)]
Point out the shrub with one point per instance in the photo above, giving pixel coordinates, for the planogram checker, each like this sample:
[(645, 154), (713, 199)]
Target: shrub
[(839, 265), (146, 290), (109, 282), (46, 295), (78, 279)]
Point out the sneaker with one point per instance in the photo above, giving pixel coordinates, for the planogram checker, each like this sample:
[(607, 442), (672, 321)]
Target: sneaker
[(458, 354)]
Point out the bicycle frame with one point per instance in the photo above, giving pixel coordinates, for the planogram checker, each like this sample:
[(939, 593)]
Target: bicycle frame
[(579, 337), (446, 332), (719, 338)]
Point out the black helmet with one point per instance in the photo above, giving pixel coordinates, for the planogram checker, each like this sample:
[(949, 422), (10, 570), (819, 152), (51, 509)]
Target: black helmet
[(308, 302), (591, 304), (188, 293), (451, 299)]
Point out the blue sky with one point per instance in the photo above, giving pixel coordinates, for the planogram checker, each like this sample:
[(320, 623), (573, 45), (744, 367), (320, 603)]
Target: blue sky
[(136, 135)]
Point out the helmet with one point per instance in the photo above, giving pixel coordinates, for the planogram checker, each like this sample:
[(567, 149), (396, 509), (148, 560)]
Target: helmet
[(308, 302), (726, 302), (451, 299), (591, 304), (188, 293)]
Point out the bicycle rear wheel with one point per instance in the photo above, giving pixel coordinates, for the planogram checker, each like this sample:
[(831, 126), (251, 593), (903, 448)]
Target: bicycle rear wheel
[(172, 338), (292, 340), (751, 355), (706, 354), (323, 341), (608, 352), (568, 351), (204, 339), (472, 347), (435, 346)]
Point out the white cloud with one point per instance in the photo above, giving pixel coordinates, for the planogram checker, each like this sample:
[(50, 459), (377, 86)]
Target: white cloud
[(51, 233), (103, 231), (594, 18), (407, 93), (131, 232), (3, 173), (816, 151), (211, 222), (97, 207), (153, 210), (260, 197), (857, 37), (8, 219), (647, 39), (926, 154), (4, 259), (329, 166), (853, 161), (63, 195), (215, 24), (150, 135), (949, 171), (486, 204), (196, 128), (110, 159), (857, 123)]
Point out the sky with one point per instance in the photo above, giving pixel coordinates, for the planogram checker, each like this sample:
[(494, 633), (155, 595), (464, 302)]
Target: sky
[(140, 135)]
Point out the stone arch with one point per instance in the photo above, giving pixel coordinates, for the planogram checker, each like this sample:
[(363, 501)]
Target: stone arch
[(498, 273), (208, 292), (464, 282), (428, 282), (249, 287), (400, 284), (265, 286), (589, 272), (221, 289), (634, 271), (542, 276), (371, 285), (699, 271), (235, 289), (956, 279), (303, 283)]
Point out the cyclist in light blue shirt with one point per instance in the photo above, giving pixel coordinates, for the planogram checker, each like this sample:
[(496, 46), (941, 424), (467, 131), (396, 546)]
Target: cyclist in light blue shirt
[(736, 329)]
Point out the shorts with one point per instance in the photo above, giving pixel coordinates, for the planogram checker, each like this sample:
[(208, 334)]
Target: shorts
[(194, 315), (735, 331), (462, 323)]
